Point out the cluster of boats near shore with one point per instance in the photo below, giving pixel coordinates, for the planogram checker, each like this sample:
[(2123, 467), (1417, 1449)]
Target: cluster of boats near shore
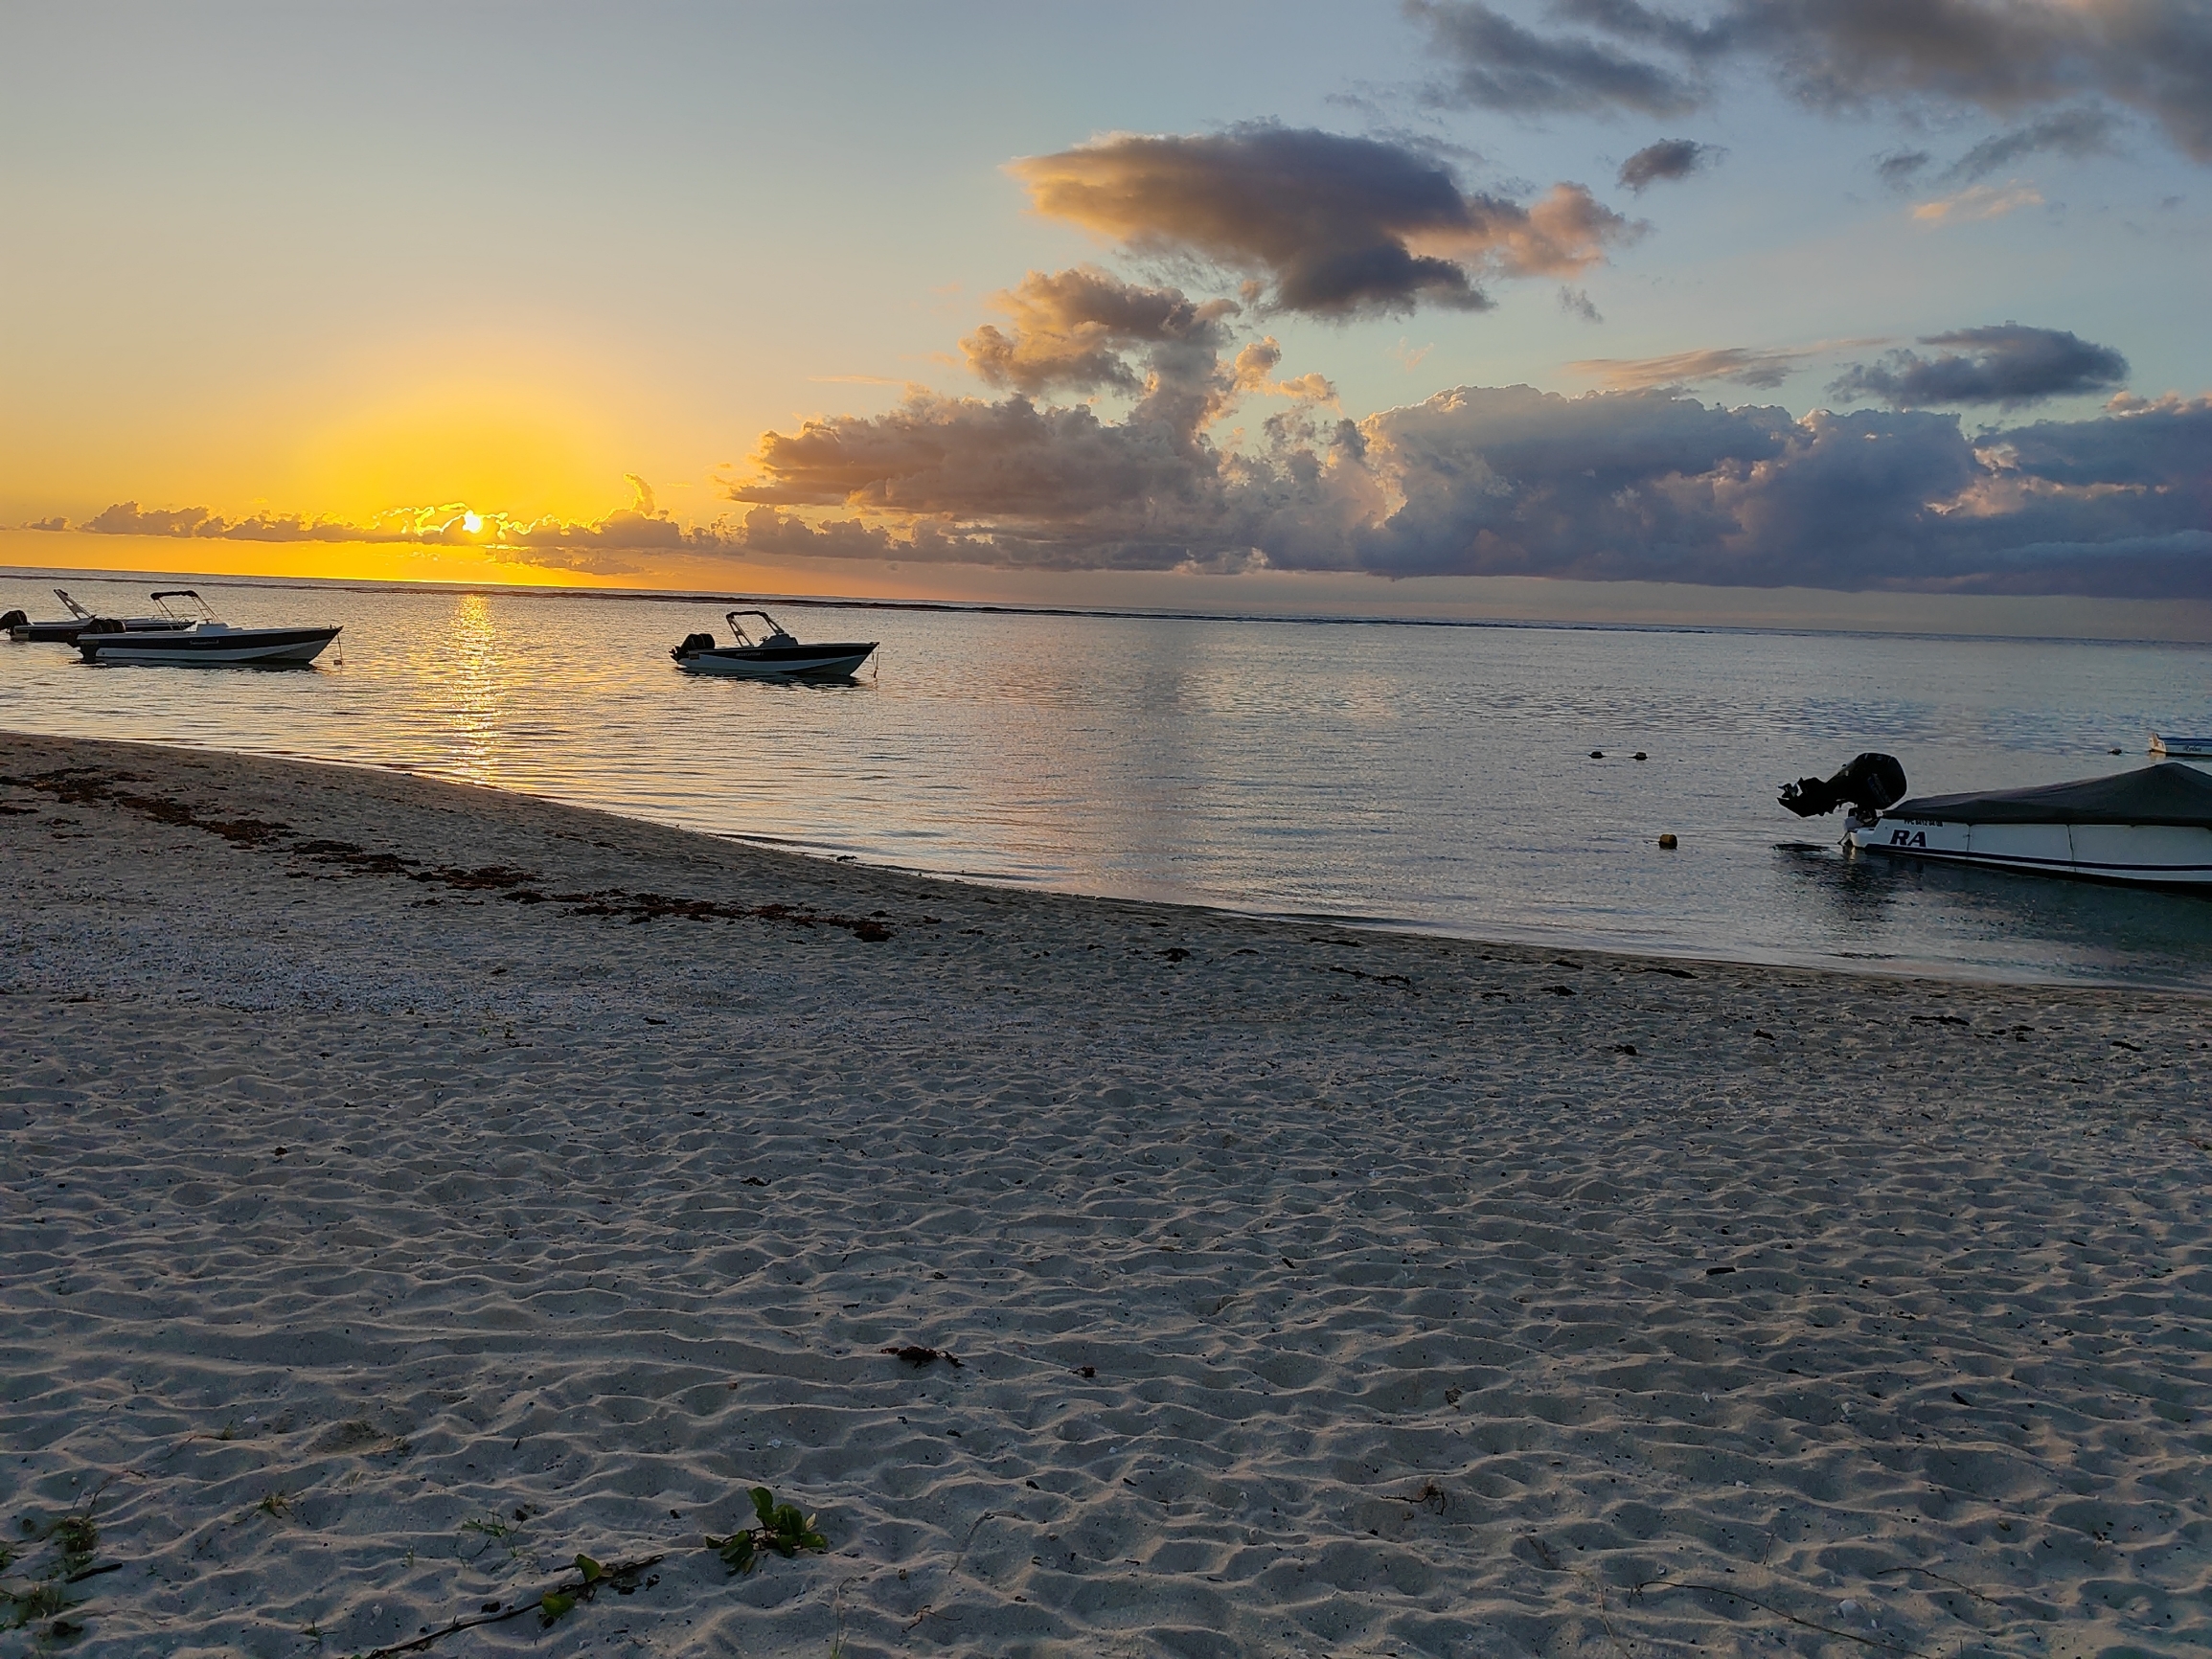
[(2150, 825), (184, 631)]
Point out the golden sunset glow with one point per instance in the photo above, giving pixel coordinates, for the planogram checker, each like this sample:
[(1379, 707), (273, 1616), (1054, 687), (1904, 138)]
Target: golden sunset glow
[(648, 334), (526, 451)]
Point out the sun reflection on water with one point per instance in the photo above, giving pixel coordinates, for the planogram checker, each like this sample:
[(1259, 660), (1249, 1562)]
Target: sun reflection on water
[(479, 693)]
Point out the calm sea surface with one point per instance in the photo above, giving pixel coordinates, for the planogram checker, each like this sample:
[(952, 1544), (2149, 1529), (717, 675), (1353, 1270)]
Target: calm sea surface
[(1421, 776)]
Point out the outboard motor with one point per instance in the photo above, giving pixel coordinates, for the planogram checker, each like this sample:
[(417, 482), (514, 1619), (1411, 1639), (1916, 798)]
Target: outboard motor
[(1870, 784), (14, 619), (693, 644)]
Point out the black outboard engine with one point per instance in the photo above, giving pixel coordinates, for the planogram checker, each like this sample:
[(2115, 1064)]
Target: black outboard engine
[(693, 644), (1870, 784), (14, 619)]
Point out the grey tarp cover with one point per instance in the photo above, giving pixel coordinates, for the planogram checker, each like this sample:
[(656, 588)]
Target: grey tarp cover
[(2168, 793)]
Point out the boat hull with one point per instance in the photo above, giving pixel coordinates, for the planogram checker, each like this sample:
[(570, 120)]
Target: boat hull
[(65, 632), (2148, 854), (271, 647), (831, 662), (2181, 748)]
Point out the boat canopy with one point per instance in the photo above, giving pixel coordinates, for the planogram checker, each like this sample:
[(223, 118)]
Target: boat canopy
[(2167, 793)]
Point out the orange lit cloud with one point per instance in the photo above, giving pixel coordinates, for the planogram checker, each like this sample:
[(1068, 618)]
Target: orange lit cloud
[(1981, 201)]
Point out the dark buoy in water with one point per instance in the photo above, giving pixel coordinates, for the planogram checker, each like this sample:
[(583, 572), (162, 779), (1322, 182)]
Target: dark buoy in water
[(1597, 754), (1668, 841), (1639, 755)]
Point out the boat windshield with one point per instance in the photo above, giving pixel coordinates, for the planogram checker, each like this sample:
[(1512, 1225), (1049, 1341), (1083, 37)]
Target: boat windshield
[(775, 634), (198, 611)]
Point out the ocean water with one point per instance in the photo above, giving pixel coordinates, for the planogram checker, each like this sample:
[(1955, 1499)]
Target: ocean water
[(1420, 777)]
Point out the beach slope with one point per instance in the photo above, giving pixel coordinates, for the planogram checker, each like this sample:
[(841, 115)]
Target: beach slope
[(409, 1188)]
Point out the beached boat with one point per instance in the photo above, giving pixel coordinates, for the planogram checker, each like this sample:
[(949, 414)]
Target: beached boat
[(24, 631), (2150, 825), (776, 655), (2182, 748), (199, 640)]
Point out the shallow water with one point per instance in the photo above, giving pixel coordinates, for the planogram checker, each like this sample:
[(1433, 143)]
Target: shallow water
[(1428, 777)]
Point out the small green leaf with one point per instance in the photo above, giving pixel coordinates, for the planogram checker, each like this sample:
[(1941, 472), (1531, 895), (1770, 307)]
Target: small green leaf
[(735, 1551), (765, 1506), (553, 1604), (591, 1570)]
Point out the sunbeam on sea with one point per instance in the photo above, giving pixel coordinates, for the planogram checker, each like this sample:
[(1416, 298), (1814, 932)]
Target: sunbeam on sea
[(1477, 781)]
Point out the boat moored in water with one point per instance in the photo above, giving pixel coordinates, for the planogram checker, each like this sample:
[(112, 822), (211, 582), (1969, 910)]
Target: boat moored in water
[(2181, 748), (776, 655), (2151, 825), (24, 631), (200, 641)]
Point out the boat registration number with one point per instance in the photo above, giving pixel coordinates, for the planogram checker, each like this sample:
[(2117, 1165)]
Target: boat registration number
[(1908, 838)]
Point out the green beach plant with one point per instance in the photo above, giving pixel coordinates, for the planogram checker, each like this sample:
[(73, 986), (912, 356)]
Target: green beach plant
[(785, 1528), (74, 1537), (79, 1538)]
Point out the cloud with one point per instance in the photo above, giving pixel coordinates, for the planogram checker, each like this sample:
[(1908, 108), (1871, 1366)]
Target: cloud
[(1328, 225), (597, 543), (1630, 485), (1736, 364), (1979, 201), (1495, 64), (1072, 330), (1577, 303), (2002, 58), (1641, 484), (2075, 132), (2009, 365), (1669, 158), (1900, 168)]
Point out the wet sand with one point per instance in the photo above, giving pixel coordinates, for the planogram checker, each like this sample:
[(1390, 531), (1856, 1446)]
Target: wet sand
[(408, 1188)]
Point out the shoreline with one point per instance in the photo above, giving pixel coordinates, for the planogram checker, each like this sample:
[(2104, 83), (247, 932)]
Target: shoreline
[(413, 1185), (1870, 966)]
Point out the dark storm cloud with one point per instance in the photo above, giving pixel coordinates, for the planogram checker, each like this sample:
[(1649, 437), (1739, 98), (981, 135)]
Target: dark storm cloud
[(2010, 365), (2001, 56), (1669, 158), (1329, 225)]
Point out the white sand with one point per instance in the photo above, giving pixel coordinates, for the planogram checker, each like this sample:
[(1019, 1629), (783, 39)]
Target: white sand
[(373, 1244)]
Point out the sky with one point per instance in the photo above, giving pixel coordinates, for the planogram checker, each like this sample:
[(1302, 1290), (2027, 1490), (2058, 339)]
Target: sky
[(1859, 311)]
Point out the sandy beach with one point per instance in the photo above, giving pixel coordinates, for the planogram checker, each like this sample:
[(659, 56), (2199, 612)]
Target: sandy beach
[(409, 1188)]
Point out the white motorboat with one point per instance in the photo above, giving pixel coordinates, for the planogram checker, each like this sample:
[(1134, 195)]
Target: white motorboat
[(23, 631), (2151, 825), (199, 640), (776, 655), (2181, 748)]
